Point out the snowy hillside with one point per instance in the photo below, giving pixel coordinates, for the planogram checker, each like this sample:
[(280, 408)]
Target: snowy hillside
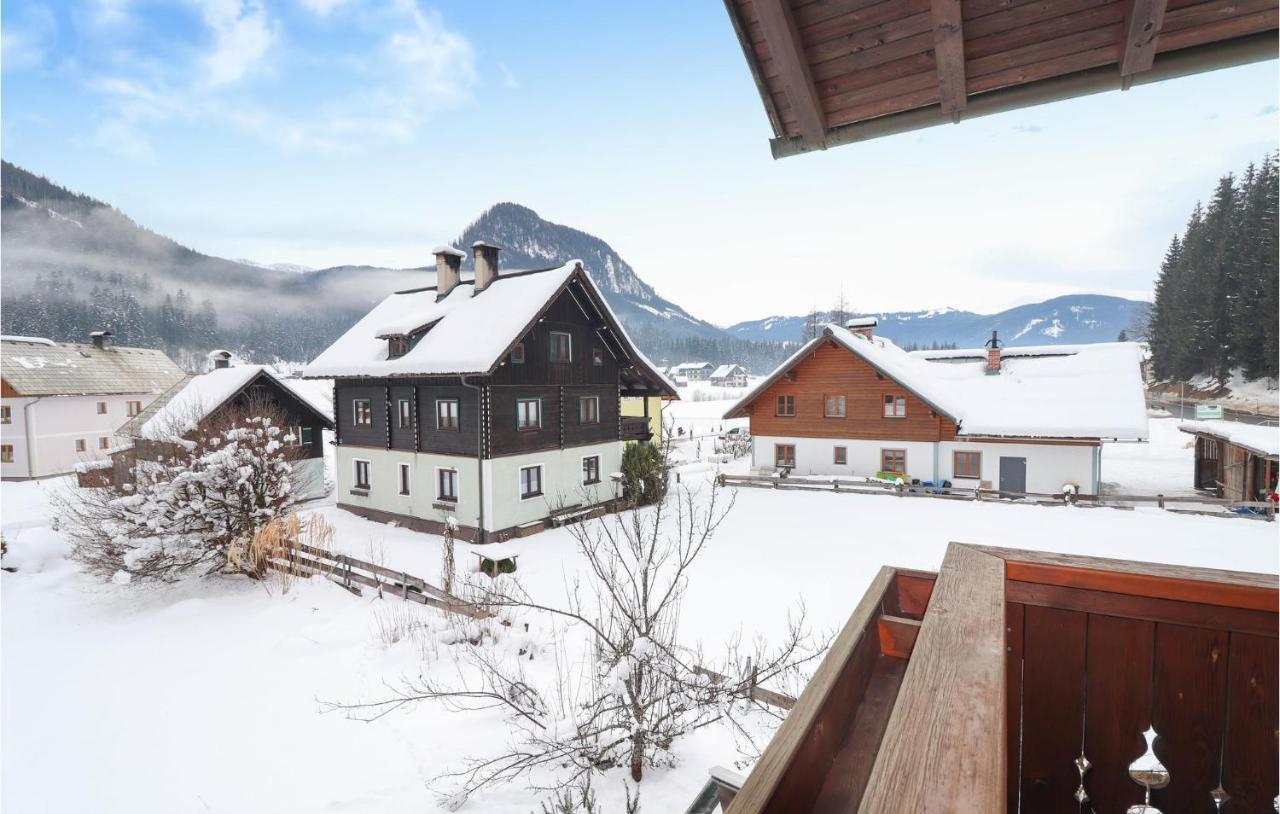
[(1072, 319)]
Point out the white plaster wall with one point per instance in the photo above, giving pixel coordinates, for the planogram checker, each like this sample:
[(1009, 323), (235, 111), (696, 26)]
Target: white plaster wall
[(561, 483), (1049, 466), (56, 422), (308, 479), (384, 481)]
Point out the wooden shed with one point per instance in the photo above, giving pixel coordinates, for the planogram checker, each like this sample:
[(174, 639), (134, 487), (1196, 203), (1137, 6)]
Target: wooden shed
[(1235, 461), (1021, 681), (832, 72)]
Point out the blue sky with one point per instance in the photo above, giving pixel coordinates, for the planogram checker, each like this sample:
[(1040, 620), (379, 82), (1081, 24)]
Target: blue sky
[(323, 132)]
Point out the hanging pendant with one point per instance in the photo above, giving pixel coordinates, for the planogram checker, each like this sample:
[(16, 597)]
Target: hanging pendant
[(1148, 772), (1220, 797), (1082, 766)]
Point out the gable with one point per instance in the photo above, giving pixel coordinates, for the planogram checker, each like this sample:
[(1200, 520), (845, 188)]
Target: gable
[(828, 369)]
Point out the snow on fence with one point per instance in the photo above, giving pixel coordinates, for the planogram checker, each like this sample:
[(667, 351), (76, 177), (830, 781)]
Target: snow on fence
[(304, 560), (1222, 507)]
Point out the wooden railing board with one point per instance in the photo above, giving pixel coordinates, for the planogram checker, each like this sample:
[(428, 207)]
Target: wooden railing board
[(1214, 617), (1249, 761), (897, 636), (943, 749), (771, 785), (1052, 708), (909, 595)]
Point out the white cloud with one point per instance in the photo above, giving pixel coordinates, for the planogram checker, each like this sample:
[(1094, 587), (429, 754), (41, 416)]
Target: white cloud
[(508, 78), (322, 7), (439, 64), (110, 12), (27, 37), (242, 35)]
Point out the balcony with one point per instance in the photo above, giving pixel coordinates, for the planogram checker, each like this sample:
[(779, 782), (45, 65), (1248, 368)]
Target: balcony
[(635, 428)]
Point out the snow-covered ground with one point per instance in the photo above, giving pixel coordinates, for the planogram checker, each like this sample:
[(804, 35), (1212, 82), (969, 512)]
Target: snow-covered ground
[(205, 696)]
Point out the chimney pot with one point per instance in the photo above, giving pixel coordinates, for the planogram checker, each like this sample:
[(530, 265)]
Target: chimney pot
[(100, 338), (486, 255), (221, 359), (993, 354), (448, 269), (863, 326)]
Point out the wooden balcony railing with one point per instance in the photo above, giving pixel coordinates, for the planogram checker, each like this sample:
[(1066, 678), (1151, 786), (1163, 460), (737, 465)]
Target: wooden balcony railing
[(980, 688), (636, 428)]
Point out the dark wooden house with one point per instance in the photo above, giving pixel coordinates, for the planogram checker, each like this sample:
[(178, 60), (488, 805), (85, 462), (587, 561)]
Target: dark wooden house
[(203, 401), (492, 402), (1021, 681), (1235, 461)]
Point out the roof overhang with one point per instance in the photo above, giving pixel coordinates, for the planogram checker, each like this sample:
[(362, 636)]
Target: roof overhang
[(838, 73), (1197, 431)]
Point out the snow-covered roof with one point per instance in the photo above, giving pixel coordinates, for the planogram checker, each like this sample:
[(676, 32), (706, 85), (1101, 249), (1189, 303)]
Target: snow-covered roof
[(1090, 391), (691, 366), (725, 370), (1005, 353), (1256, 437), (189, 402), (467, 333), (34, 366)]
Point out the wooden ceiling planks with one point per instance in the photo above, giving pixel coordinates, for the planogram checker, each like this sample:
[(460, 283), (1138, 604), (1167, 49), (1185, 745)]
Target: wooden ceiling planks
[(826, 69)]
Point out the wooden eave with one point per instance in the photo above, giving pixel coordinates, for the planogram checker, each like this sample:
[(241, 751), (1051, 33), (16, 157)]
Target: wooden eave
[(1270, 456), (833, 72), (910, 708)]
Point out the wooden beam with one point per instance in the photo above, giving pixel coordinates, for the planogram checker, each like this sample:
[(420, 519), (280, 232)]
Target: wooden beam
[(944, 747), (1142, 23), (778, 24), (897, 636), (948, 51)]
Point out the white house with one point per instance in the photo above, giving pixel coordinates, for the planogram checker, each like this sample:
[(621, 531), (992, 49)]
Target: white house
[(729, 376), (693, 371), (61, 404), (1021, 420)]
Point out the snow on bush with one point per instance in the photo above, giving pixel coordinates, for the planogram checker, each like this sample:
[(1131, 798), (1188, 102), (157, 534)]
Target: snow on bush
[(195, 495)]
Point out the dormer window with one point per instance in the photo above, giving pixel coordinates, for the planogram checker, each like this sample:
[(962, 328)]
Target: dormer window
[(397, 346)]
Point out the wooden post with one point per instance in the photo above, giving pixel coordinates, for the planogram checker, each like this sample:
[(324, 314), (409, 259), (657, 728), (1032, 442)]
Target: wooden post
[(404, 586), (1160, 500)]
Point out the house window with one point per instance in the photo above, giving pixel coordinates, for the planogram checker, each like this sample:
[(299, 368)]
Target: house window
[(590, 470), (530, 481), (597, 357), (6, 415), (361, 474), (447, 485), (517, 353), (561, 347), (833, 406), (132, 408), (895, 405), (6, 453), (80, 445), (589, 410), (405, 480), (893, 460), (104, 442), (405, 408), (967, 465), (784, 455), (447, 415), (840, 456), (362, 413), (786, 406), (102, 408), (528, 414), (306, 435)]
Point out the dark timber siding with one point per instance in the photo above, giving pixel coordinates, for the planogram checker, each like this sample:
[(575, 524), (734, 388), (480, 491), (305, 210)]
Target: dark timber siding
[(564, 316), (428, 390)]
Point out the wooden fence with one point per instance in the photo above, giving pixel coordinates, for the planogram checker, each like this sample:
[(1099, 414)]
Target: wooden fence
[(1221, 507), (350, 573), (304, 560)]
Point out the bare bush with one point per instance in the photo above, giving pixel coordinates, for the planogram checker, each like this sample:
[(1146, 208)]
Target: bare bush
[(639, 689)]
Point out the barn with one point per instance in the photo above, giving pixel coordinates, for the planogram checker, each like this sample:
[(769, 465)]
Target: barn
[(1234, 460)]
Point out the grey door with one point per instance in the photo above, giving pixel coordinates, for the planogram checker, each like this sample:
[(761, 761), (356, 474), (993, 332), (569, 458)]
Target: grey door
[(1013, 474)]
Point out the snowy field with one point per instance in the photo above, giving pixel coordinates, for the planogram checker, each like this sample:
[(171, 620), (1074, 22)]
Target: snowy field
[(205, 697)]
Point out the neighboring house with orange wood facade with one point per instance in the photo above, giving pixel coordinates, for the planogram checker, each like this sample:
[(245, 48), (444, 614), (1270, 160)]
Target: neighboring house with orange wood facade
[(1017, 419)]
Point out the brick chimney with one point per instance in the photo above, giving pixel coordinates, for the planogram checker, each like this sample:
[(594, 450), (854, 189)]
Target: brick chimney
[(486, 255), (100, 338), (221, 359), (863, 326), (448, 269), (993, 354)]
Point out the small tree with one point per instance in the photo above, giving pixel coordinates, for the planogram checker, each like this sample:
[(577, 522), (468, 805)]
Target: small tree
[(644, 472), (203, 486)]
